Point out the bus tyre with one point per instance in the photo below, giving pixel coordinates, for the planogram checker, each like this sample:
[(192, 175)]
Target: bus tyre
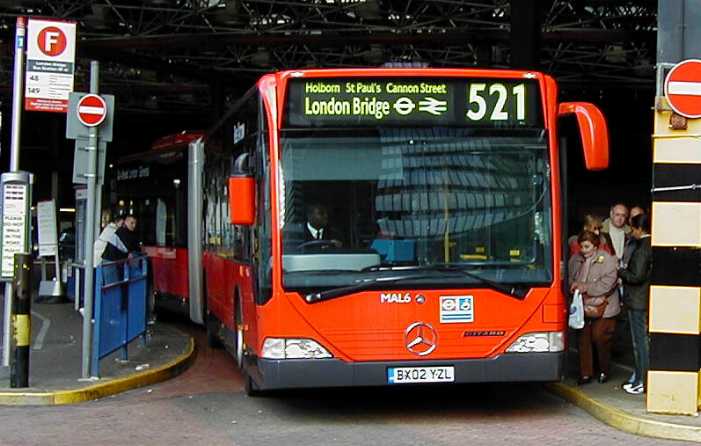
[(212, 327), (238, 335), (250, 386)]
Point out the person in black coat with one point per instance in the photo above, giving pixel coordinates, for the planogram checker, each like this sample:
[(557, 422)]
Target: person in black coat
[(129, 241), (636, 278), (128, 246), (127, 233)]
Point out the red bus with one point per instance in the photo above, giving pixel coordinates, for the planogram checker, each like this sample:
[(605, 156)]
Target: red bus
[(153, 186), (442, 189)]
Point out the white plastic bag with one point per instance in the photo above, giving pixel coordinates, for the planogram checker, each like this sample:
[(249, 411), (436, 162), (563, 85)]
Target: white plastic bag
[(577, 311)]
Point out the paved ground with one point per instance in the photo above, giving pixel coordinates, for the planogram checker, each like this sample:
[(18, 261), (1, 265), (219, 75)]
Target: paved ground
[(206, 406), (56, 350)]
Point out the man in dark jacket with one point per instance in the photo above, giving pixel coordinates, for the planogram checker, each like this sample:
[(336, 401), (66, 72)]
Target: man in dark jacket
[(129, 245), (127, 233), (129, 242), (636, 278)]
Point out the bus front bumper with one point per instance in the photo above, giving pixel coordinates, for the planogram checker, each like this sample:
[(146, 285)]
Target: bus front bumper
[(307, 373)]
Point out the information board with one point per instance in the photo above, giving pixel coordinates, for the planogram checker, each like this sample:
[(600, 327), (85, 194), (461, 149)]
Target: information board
[(46, 225), (15, 210), (362, 102)]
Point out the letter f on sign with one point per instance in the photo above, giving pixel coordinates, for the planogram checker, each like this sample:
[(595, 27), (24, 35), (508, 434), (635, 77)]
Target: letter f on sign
[(50, 39)]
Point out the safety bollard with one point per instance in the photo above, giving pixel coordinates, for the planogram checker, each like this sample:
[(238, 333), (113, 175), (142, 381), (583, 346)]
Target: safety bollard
[(21, 321)]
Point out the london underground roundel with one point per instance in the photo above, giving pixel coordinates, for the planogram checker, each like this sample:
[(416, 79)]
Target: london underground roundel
[(92, 110), (682, 87)]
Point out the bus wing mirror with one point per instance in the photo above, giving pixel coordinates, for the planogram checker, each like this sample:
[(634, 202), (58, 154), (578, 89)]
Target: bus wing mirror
[(242, 200), (593, 132)]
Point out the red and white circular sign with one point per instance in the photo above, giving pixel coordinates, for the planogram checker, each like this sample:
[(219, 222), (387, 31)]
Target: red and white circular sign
[(682, 87), (52, 41), (92, 110)]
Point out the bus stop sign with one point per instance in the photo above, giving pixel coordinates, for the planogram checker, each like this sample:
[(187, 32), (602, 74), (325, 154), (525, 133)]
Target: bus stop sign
[(92, 110), (682, 88)]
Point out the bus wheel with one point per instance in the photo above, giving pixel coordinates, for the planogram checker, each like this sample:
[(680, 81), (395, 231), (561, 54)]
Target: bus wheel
[(212, 327), (211, 324), (238, 335), (250, 387)]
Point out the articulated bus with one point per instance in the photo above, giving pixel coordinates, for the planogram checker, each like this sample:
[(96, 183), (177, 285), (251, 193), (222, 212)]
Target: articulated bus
[(153, 186), (443, 190)]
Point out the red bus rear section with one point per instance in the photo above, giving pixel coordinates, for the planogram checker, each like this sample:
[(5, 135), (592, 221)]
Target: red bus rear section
[(153, 186), (383, 226)]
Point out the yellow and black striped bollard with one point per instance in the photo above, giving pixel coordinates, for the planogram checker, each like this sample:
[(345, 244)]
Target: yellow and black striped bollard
[(21, 322)]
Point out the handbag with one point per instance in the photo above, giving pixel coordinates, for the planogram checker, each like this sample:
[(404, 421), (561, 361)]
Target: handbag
[(576, 319), (596, 311)]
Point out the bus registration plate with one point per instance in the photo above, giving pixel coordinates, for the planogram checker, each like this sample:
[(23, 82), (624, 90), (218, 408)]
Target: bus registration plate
[(408, 375)]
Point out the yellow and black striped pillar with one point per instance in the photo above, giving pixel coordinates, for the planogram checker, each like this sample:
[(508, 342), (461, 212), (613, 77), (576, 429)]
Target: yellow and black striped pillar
[(21, 321), (675, 294)]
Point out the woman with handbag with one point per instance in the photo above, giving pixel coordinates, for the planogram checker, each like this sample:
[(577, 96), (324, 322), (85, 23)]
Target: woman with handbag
[(594, 273)]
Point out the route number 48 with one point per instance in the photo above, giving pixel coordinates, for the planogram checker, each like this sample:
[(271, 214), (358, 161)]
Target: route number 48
[(478, 94)]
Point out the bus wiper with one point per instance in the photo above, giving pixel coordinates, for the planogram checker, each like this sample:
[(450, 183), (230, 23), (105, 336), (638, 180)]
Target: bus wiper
[(365, 284), (517, 291), (449, 270)]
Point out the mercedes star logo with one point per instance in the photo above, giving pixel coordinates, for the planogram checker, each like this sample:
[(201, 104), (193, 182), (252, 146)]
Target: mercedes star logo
[(420, 338)]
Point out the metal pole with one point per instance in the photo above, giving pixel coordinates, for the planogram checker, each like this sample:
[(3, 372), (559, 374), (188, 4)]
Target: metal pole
[(90, 230), (17, 93), (57, 270), (22, 321), (17, 96)]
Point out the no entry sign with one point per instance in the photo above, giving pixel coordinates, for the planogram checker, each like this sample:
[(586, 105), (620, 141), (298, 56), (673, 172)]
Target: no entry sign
[(682, 87), (92, 110)]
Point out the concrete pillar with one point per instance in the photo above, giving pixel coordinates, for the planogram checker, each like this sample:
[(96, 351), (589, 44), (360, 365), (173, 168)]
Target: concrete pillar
[(675, 293)]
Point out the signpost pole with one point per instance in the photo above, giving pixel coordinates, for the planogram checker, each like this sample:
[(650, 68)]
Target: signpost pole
[(90, 219), (17, 89)]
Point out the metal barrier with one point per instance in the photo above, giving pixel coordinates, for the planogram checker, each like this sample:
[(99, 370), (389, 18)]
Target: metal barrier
[(120, 308)]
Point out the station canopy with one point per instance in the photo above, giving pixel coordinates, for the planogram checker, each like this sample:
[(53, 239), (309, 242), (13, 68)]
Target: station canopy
[(173, 54)]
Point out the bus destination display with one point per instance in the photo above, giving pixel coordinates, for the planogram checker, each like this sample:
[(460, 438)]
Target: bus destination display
[(357, 102)]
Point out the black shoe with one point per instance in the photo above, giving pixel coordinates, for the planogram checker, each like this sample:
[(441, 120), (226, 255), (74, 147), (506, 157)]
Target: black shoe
[(603, 377), (584, 380)]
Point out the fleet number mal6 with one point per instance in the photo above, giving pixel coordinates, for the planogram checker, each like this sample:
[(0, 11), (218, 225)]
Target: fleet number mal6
[(395, 298)]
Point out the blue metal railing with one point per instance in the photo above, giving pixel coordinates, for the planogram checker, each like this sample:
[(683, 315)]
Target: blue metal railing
[(120, 309)]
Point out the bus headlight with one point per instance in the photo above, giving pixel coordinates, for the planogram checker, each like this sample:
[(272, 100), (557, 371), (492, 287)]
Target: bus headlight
[(553, 341), (293, 348)]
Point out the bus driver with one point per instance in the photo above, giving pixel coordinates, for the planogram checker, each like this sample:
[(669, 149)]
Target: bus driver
[(317, 227)]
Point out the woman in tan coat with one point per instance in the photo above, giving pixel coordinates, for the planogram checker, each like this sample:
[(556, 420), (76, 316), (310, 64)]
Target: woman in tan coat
[(594, 273)]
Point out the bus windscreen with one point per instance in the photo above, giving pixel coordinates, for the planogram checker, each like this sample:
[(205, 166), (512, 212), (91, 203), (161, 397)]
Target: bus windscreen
[(372, 102)]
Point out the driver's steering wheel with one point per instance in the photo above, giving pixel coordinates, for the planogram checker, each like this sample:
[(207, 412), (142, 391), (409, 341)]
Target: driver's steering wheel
[(320, 244)]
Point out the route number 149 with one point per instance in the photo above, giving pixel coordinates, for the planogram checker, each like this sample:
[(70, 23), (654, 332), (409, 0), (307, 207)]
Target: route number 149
[(498, 95)]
